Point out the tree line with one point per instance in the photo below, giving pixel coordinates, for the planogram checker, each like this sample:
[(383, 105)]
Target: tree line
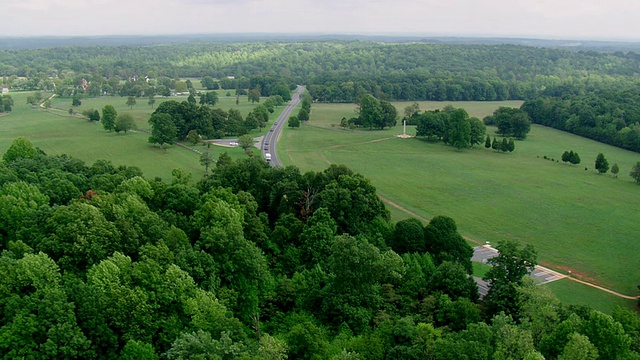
[(609, 112), (334, 71), (257, 262), (173, 119)]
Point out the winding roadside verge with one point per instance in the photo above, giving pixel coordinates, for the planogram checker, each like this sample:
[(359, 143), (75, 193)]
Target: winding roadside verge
[(541, 268)]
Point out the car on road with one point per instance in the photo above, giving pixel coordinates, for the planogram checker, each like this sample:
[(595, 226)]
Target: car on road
[(271, 129), (233, 143)]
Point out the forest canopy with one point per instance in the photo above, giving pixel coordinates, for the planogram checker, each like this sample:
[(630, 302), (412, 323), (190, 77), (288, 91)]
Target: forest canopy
[(257, 262)]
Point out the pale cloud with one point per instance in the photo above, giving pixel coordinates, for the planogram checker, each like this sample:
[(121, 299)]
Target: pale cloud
[(535, 18)]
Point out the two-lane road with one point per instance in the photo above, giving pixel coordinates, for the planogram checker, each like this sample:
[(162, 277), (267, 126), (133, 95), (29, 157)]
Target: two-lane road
[(268, 144)]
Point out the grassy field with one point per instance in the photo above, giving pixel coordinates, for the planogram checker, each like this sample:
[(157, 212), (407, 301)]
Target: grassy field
[(58, 133), (576, 219), (573, 293), (480, 269)]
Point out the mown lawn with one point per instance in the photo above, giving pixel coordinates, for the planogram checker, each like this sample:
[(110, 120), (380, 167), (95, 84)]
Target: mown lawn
[(573, 293), (56, 133), (576, 219)]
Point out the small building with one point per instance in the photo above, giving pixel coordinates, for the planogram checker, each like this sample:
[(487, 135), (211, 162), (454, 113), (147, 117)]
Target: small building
[(5, 90)]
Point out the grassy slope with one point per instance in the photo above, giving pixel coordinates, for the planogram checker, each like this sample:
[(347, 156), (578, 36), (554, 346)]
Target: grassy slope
[(576, 219), (573, 293), (61, 134)]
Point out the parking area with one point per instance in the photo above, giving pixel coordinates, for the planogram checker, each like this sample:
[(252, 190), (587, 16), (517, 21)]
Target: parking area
[(540, 274)]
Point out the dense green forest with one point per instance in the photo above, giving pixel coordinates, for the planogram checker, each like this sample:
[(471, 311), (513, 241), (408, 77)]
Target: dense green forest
[(588, 93), (257, 262), (609, 113), (336, 71)]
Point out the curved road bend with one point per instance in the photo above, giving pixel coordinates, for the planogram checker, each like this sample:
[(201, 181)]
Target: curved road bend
[(268, 144)]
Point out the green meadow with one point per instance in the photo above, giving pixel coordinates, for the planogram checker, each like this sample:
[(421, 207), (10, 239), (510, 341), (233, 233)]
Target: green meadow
[(574, 293), (56, 132), (576, 219)]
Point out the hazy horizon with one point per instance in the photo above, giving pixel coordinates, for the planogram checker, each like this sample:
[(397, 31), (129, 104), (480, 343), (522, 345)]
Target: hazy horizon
[(615, 20)]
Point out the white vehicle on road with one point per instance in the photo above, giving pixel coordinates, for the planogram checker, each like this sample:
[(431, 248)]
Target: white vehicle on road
[(267, 156)]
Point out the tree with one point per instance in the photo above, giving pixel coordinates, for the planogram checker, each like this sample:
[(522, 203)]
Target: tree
[(495, 145), (487, 142), (251, 122), (208, 83), (511, 145), (459, 130), (615, 169), (408, 237), (163, 130), (602, 165), (191, 99), (575, 158), (282, 90), (506, 274), (635, 172), (504, 146), (566, 156), (210, 98), (478, 129), (262, 115), (124, 122), (94, 116), (206, 160), (31, 100), (109, 115), (76, 101), (520, 125), (254, 96), (303, 115), (294, 122), (411, 110), (443, 241), (369, 111), (20, 148), (152, 100), (131, 101), (246, 142), (388, 115), (193, 137), (579, 348)]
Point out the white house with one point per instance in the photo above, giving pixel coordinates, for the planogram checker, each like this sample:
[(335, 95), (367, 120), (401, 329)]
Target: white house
[(5, 90)]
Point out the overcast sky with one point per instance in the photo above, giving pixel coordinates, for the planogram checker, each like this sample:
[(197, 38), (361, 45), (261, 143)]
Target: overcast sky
[(567, 19)]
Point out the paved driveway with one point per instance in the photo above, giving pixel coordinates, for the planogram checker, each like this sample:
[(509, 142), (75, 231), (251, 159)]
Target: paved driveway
[(540, 274)]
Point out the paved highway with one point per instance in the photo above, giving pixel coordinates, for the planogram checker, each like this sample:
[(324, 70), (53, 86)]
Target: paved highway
[(268, 144)]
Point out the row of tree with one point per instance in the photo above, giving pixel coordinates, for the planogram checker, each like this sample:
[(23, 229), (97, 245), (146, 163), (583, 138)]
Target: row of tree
[(607, 112), (452, 126), (173, 119), (336, 71), (258, 262)]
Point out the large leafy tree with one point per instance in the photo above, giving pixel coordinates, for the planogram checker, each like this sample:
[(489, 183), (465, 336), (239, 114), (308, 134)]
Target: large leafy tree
[(254, 95), (20, 148), (507, 272), (37, 319), (369, 111), (408, 237), (388, 116), (163, 129), (124, 122), (459, 129), (478, 129), (443, 241), (109, 115)]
